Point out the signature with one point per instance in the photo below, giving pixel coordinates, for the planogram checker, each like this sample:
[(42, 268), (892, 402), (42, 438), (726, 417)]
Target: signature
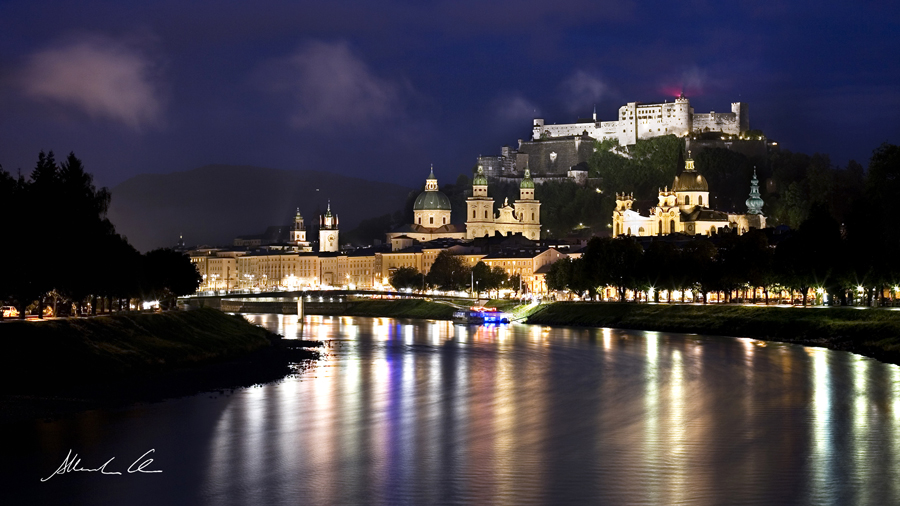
[(72, 464)]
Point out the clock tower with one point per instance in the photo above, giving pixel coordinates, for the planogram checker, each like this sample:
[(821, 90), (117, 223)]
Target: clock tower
[(328, 231)]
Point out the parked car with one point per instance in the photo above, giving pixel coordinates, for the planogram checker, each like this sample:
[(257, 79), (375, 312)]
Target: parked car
[(9, 311)]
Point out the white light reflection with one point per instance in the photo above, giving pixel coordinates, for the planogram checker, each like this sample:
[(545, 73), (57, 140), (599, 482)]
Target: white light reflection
[(652, 450), (679, 457), (821, 431), (861, 464)]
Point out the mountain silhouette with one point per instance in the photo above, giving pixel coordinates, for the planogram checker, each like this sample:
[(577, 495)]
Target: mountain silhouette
[(213, 204)]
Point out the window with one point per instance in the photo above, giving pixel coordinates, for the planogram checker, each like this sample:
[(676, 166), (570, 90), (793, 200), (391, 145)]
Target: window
[(640, 230), (687, 200), (629, 230), (445, 220), (660, 227), (420, 220), (671, 226), (532, 216), (473, 214), (431, 220), (700, 200), (485, 215)]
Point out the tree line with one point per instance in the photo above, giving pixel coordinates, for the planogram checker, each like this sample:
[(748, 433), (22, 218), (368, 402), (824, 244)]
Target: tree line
[(63, 252)]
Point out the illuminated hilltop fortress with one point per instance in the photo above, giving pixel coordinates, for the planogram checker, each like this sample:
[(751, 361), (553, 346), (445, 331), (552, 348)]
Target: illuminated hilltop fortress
[(643, 121)]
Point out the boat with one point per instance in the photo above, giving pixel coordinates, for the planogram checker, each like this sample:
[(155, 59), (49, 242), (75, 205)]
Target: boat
[(479, 315)]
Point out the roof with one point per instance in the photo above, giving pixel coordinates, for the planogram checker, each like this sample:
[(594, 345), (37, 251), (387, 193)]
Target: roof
[(526, 253), (527, 182), (431, 200), (690, 181), (702, 214), (422, 229), (480, 179)]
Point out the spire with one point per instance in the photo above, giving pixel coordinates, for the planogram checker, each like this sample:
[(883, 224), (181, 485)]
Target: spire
[(755, 202), (431, 184), (689, 162), (328, 211)]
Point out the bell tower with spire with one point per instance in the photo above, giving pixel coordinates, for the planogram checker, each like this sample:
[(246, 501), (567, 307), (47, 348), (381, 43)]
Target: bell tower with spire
[(328, 231)]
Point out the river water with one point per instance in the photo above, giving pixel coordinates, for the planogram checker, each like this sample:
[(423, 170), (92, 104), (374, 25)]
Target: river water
[(424, 412)]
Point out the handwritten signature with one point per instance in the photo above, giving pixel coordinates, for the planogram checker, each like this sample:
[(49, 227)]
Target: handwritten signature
[(72, 464)]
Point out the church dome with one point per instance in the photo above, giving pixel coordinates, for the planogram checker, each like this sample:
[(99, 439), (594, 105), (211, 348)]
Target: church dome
[(480, 179), (430, 200), (690, 180), (527, 182)]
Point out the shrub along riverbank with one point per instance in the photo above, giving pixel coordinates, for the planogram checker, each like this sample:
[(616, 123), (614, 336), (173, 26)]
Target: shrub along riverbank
[(871, 332), (58, 366)]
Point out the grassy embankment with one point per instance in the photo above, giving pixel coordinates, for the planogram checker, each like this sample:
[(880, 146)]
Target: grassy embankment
[(871, 332), (398, 308), (65, 365)]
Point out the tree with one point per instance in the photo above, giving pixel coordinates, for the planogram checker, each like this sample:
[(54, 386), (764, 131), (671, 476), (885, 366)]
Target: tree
[(168, 274), (448, 272), (407, 277), (560, 275)]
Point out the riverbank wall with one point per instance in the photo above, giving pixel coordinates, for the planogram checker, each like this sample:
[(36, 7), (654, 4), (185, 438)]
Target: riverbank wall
[(871, 332)]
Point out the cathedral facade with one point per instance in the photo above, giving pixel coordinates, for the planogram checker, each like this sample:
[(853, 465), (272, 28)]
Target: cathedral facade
[(523, 217), (685, 209)]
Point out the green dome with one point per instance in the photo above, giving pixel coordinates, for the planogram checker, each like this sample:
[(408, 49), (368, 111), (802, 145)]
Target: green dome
[(527, 182), (431, 200), (480, 178)]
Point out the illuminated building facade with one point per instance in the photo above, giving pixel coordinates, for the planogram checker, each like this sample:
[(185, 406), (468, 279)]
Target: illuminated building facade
[(523, 217), (643, 121), (685, 209)]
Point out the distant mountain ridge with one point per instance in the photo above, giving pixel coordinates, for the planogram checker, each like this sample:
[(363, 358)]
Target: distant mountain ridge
[(215, 203)]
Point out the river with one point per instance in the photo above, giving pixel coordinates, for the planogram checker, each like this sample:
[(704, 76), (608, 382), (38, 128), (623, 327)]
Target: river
[(425, 412)]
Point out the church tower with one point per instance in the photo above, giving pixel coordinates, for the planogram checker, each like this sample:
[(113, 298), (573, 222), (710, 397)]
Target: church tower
[(755, 202), (328, 232), (528, 210), (479, 208), (298, 230)]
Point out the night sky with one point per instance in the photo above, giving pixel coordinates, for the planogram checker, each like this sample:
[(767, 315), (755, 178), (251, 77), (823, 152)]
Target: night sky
[(382, 89)]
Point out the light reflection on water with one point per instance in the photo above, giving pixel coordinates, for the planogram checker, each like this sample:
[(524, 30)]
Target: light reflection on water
[(425, 412)]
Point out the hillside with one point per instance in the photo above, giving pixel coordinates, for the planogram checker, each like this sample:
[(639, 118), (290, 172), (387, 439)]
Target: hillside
[(215, 203)]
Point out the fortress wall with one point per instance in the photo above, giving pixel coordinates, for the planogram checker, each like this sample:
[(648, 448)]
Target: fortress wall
[(725, 122), (556, 156)]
